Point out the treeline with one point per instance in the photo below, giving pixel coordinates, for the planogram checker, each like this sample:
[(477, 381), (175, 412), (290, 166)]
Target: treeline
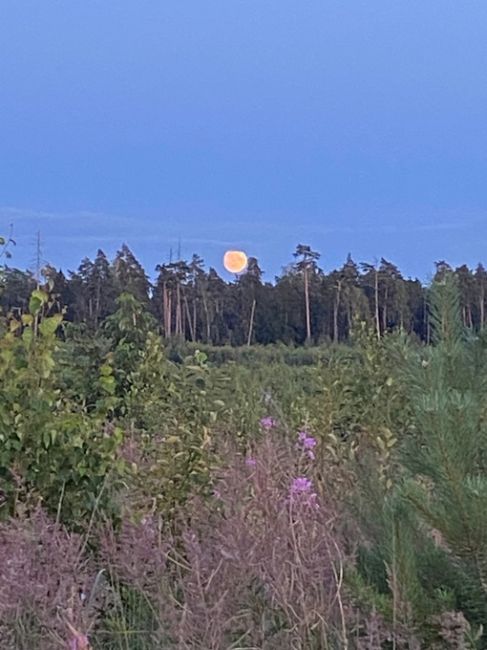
[(303, 304)]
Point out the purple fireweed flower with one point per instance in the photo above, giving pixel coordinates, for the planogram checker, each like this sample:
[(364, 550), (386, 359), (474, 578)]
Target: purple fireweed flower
[(307, 443), (301, 485), (268, 423), (250, 462), (301, 492)]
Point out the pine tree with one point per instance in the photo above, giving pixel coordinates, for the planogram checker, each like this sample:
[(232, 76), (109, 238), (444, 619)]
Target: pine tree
[(247, 293), (447, 448), (102, 288), (130, 275), (306, 265), (371, 283), (15, 289), (481, 293)]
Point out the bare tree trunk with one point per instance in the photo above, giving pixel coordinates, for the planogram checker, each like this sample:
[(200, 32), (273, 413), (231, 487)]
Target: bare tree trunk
[(306, 300), (482, 308), (169, 314), (336, 307), (207, 316), (164, 310), (188, 315), (179, 325), (384, 310), (97, 303), (166, 307), (251, 324), (349, 316), (377, 315)]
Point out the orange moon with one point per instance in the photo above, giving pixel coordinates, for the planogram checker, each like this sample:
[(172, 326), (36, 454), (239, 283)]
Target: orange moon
[(235, 261)]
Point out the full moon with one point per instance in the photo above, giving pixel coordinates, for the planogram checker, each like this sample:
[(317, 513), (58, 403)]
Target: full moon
[(235, 261)]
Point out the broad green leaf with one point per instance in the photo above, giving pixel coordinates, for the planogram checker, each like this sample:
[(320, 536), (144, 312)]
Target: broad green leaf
[(27, 319), (49, 325), (37, 299), (34, 305)]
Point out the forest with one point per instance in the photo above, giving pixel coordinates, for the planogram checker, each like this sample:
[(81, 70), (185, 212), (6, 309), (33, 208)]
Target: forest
[(212, 465), (304, 304)]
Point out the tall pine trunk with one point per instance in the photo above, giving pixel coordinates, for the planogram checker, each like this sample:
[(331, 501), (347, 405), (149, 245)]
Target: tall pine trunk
[(377, 315), (482, 308), (384, 310), (336, 308), (179, 324), (166, 309), (251, 324), (188, 316), (306, 300), (169, 314), (207, 318)]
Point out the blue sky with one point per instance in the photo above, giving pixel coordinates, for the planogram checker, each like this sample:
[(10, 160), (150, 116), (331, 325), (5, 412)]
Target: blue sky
[(352, 126)]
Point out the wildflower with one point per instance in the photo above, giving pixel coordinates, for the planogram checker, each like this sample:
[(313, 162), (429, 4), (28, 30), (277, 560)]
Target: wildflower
[(301, 492), (250, 462), (268, 423), (307, 443), (301, 485)]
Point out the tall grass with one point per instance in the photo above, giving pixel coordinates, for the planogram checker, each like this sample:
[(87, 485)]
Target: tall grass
[(261, 564)]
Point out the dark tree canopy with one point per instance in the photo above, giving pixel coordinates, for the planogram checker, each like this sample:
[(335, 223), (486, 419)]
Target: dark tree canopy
[(304, 303)]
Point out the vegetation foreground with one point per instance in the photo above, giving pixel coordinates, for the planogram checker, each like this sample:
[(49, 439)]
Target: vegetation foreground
[(157, 496)]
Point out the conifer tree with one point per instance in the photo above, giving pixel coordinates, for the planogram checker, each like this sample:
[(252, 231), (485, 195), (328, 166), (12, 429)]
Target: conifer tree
[(130, 275), (306, 265), (447, 448)]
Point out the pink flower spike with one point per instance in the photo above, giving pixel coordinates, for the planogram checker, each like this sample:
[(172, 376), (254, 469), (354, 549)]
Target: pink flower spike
[(307, 443), (301, 493), (250, 462), (301, 485), (268, 423)]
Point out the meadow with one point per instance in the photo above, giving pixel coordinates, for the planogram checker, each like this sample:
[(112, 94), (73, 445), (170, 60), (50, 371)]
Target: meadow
[(170, 494)]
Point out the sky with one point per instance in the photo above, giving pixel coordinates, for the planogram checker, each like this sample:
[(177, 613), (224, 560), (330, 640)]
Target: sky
[(349, 125)]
